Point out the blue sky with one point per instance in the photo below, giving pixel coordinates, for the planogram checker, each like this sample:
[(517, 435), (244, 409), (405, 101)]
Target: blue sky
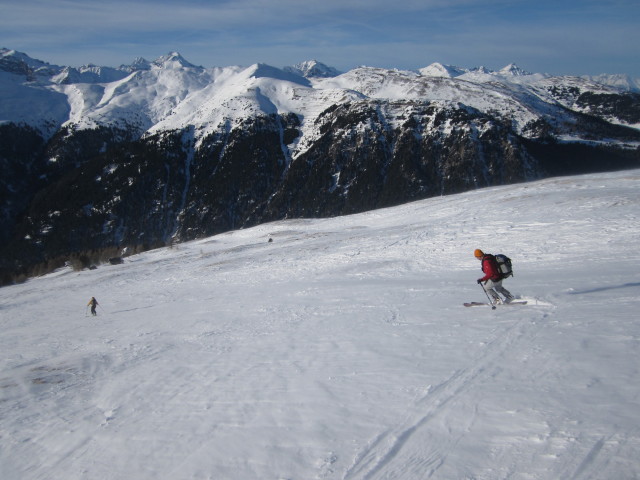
[(557, 37)]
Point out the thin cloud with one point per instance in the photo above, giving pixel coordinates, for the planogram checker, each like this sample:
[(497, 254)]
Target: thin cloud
[(156, 15), (407, 34)]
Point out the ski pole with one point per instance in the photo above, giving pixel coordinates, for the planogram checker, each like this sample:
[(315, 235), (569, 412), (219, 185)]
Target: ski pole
[(493, 307)]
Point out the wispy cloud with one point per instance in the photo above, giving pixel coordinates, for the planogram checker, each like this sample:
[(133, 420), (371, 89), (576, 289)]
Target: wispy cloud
[(406, 34), (150, 16)]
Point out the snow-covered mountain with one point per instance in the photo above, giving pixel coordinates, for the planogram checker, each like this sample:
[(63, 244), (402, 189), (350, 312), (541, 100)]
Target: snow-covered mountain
[(313, 69), (149, 95), (450, 71), (340, 350), (163, 151), (619, 81)]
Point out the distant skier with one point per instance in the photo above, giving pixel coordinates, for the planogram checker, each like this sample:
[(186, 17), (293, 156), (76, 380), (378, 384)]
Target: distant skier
[(492, 277), (94, 303)]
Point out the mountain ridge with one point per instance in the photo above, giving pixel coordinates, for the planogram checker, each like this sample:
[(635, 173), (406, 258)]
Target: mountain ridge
[(307, 68), (166, 151), (161, 85)]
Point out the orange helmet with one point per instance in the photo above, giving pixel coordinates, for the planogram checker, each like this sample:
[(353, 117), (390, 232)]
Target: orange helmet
[(478, 253)]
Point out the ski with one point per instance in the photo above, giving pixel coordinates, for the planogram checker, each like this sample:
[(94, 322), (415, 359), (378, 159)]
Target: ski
[(479, 304)]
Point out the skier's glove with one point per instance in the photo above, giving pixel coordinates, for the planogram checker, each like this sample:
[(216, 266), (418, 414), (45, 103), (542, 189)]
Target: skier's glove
[(479, 281)]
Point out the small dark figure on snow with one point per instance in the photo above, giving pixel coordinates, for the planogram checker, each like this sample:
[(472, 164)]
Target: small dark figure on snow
[(93, 303), (492, 277)]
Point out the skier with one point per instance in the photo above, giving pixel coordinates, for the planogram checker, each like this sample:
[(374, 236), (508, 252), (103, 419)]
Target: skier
[(492, 277), (94, 303)]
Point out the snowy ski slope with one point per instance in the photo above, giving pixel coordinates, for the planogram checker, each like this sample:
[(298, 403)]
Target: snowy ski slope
[(341, 349)]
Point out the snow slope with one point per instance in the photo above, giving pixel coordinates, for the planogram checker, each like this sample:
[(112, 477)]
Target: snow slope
[(341, 349)]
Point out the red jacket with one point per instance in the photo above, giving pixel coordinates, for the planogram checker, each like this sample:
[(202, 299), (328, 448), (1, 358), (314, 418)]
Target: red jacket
[(490, 269)]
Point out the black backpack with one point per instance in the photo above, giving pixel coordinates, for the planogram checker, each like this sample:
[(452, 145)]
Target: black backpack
[(504, 265)]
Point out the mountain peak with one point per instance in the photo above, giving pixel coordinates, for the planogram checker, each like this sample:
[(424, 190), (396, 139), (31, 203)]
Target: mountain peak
[(138, 63), (440, 70), (313, 68), (262, 70), (8, 53), (513, 69), (482, 69), (173, 60), (16, 62)]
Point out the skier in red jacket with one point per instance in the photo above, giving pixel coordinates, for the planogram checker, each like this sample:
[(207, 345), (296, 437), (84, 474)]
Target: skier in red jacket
[(492, 277)]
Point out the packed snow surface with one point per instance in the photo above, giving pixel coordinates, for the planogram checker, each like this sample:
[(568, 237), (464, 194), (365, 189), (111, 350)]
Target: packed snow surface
[(341, 349)]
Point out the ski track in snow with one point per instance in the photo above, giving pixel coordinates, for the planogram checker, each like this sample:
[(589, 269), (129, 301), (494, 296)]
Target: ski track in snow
[(341, 349), (377, 457)]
